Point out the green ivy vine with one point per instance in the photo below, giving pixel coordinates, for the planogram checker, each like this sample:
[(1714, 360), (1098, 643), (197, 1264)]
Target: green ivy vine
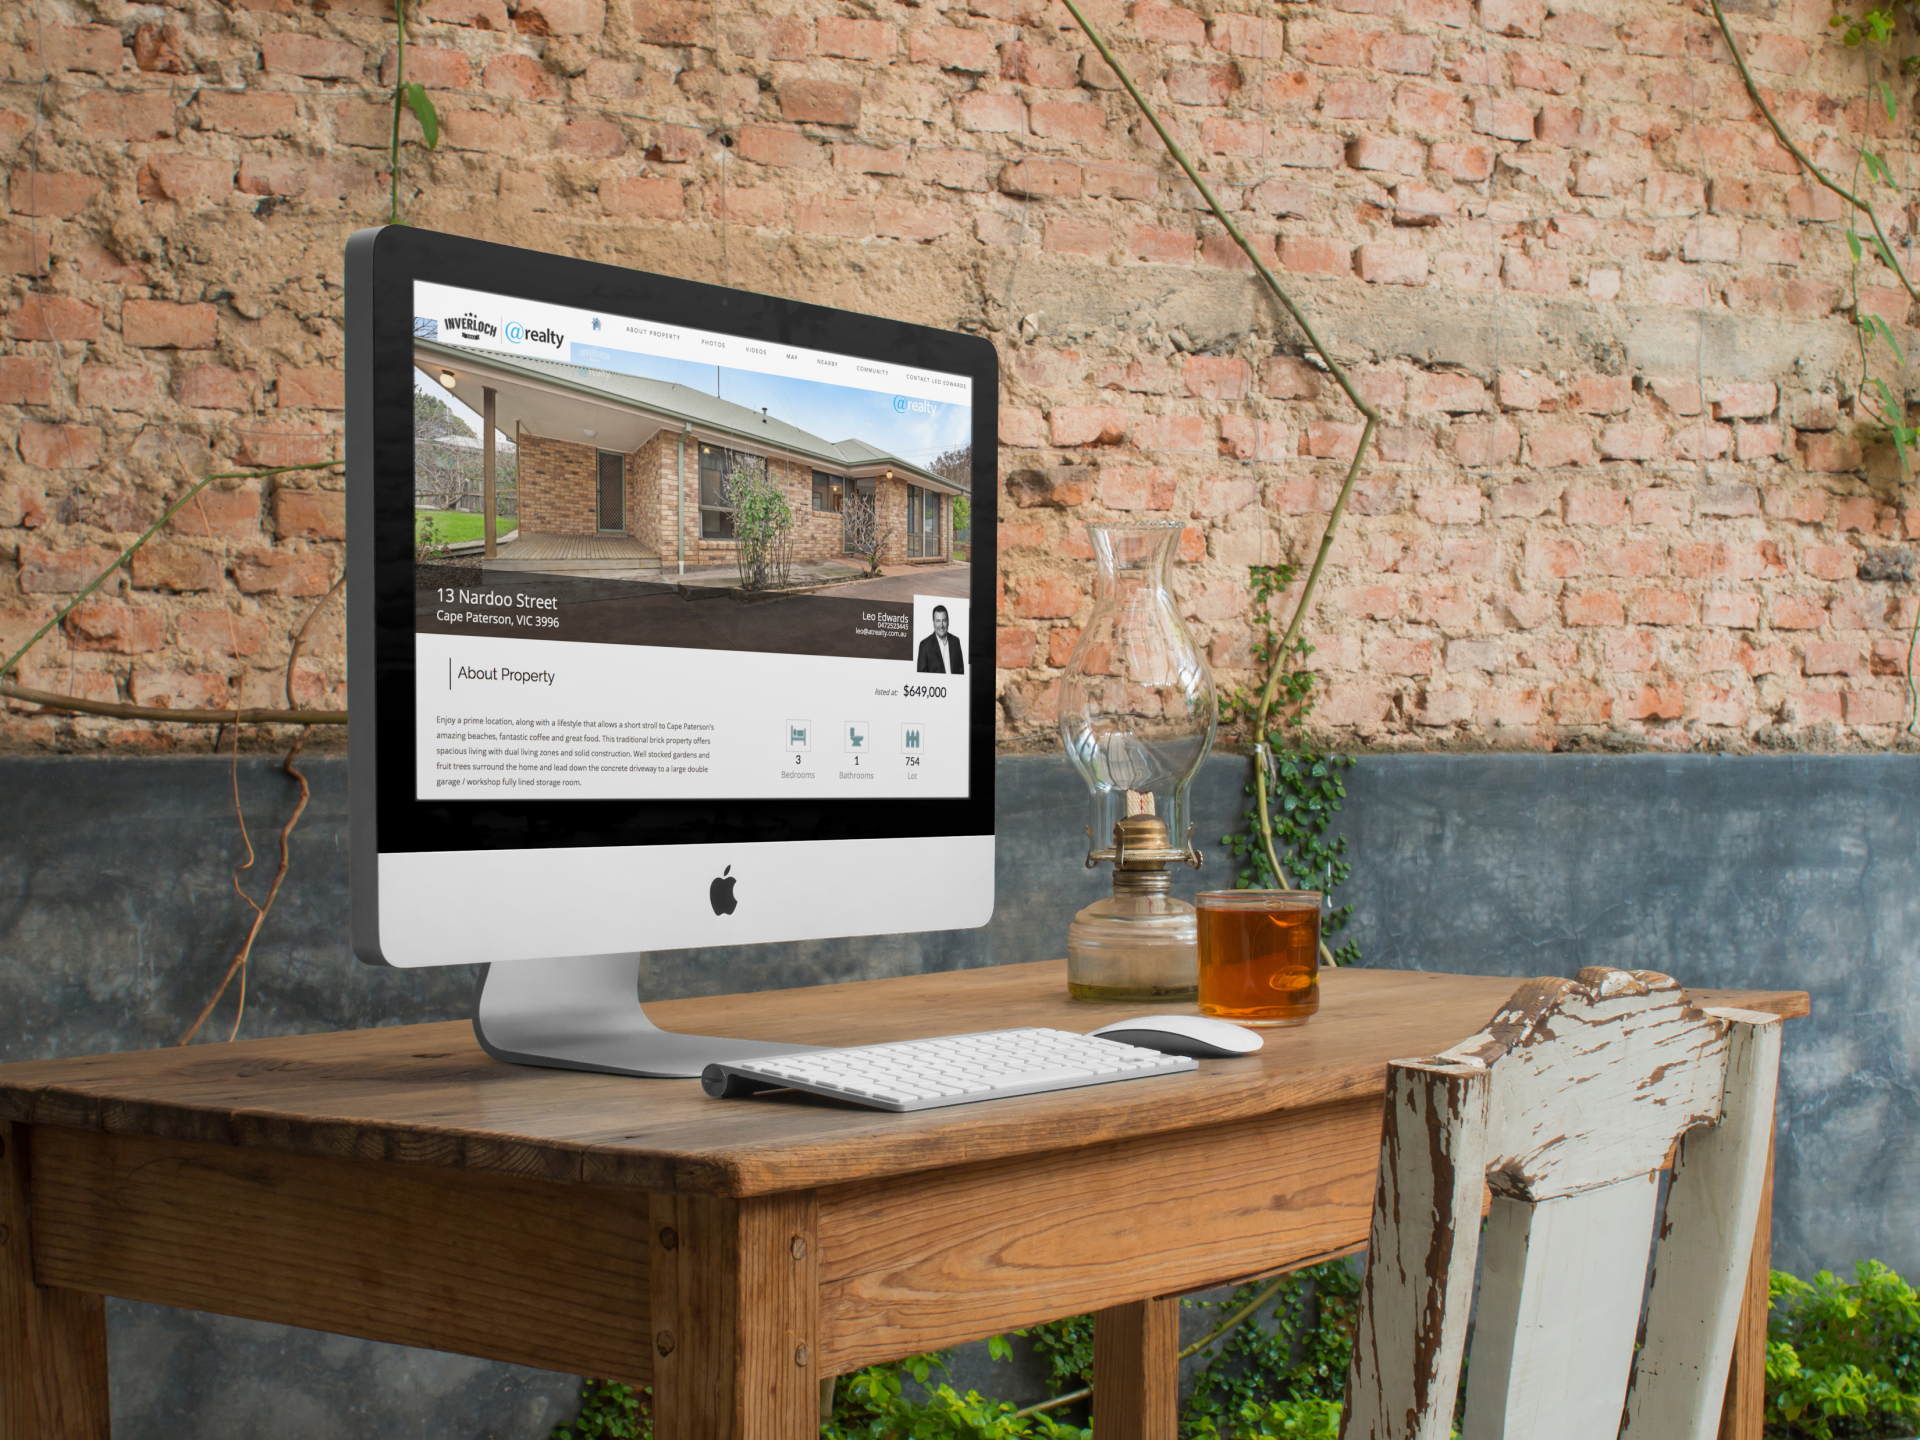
[(1295, 791)]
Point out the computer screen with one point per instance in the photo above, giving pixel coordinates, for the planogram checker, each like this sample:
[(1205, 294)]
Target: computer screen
[(699, 665), (645, 455)]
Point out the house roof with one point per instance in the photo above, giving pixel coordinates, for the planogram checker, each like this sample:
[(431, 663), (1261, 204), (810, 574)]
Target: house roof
[(681, 403)]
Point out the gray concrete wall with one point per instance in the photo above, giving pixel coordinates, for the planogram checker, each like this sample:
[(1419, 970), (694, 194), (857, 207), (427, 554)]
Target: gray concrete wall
[(117, 917)]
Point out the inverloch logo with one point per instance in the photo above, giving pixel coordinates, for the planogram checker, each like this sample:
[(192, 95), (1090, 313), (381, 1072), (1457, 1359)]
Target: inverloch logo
[(471, 326)]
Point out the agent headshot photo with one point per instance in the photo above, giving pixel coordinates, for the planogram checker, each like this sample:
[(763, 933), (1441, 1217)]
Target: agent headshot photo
[(940, 652)]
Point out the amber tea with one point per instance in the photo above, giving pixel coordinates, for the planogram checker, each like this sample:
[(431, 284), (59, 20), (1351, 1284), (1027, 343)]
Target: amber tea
[(1259, 955)]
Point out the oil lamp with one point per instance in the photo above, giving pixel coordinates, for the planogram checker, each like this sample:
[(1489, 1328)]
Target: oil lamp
[(1137, 716)]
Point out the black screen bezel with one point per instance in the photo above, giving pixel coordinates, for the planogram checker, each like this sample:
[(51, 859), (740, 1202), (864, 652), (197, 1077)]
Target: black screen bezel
[(382, 267)]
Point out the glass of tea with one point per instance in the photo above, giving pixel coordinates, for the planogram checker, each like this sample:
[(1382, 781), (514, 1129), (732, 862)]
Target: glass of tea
[(1259, 955)]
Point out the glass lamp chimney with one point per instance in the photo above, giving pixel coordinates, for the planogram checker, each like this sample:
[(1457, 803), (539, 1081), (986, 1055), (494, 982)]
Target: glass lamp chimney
[(1137, 706)]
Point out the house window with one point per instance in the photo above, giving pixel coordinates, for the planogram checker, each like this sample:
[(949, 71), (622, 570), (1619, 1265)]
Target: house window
[(829, 493), (717, 465)]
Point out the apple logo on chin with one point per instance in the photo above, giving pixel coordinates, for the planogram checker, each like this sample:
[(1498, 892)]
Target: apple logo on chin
[(720, 893)]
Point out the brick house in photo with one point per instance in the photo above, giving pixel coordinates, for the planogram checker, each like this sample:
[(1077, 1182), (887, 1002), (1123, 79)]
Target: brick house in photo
[(607, 455)]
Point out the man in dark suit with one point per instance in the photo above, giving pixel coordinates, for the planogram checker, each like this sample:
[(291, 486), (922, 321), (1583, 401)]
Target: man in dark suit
[(940, 652)]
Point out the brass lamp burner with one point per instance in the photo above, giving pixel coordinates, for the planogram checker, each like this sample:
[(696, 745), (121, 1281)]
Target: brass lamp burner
[(1142, 848)]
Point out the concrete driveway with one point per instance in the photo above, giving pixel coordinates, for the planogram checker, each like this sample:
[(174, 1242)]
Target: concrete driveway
[(949, 580)]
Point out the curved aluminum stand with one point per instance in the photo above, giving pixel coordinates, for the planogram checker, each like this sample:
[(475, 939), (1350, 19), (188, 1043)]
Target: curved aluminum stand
[(585, 1014)]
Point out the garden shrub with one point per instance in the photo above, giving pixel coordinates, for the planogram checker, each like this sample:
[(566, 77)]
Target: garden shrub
[(1843, 1363), (1843, 1357)]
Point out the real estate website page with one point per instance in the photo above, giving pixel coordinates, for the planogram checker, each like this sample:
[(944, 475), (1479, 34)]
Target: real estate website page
[(712, 568)]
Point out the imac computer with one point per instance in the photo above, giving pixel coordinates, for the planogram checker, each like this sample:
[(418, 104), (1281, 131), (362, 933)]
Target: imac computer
[(660, 631)]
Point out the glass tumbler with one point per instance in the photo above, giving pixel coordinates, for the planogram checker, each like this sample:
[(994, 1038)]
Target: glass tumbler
[(1259, 955)]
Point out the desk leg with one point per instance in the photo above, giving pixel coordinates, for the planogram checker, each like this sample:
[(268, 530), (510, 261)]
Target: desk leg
[(1742, 1416), (53, 1343), (735, 1301), (1136, 1371)]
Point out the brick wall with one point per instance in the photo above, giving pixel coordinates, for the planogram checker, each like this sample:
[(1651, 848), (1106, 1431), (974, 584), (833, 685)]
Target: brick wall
[(1625, 489), (559, 487)]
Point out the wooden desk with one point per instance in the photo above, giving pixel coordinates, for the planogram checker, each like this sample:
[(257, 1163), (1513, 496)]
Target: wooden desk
[(398, 1185)]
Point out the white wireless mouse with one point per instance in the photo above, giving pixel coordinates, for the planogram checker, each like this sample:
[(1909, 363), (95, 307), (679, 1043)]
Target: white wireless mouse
[(1200, 1036)]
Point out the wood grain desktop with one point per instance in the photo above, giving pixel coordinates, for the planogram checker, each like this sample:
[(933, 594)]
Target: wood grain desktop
[(400, 1186)]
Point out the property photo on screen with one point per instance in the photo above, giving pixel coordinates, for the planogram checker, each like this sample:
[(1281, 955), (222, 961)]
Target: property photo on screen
[(625, 532)]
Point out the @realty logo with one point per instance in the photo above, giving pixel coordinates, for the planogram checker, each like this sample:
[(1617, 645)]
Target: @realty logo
[(901, 405), (720, 892), (517, 333)]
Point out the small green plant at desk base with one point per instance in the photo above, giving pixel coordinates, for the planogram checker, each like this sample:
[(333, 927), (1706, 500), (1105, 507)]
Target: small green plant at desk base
[(1843, 1357), (1843, 1363)]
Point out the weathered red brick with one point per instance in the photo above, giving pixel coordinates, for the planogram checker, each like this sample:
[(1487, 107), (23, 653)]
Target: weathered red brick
[(221, 632), (1829, 451), (319, 389), (271, 445), (1088, 425), (1041, 179), (184, 178), (45, 571), (481, 131), (179, 568), (60, 447), (1593, 607), (437, 67), (1013, 648), (159, 324), (25, 381), (216, 387), (1167, 24), (1392, 153), (164, 688), (1216, 377), (1796, 612), (1212, 83), (1546, 275), (115, 627), (314, 56), (1552, 445), (282, 572), (1383, 263), (1873, 707), (1503, 118), (1315, 255), (1323, 43), (128, 114), (951, 48), (519, 77), (1043, 597), (587, 135), (1480, 443), (820, 102), (1462, 160), (94, 48), (856, 39), (54, 193), (309, 514), (253, 113), (850, 216), (119, 387), (653, 197), (785, 149)]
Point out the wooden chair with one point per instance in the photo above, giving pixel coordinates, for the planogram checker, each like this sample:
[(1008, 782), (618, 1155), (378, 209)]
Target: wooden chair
[(1568, 1106)]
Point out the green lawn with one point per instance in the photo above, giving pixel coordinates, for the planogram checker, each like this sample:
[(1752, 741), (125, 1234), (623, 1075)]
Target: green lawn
[(451, 527)]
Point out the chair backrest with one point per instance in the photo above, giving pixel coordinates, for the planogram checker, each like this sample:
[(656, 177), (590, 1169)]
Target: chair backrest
[(1566, 1106)]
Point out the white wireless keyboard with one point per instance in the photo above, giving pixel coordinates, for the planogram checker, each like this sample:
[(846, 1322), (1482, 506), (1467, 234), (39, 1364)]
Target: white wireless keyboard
[(950, 1070)]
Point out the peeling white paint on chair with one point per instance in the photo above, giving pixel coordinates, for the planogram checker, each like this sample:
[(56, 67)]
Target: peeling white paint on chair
[(1566, 1105)]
